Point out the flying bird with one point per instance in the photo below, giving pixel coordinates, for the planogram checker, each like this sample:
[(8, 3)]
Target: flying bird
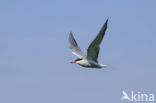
[(89, 60)]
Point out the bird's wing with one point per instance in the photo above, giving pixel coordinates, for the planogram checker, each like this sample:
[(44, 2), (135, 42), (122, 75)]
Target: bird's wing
[(73, 46), (93, 49)]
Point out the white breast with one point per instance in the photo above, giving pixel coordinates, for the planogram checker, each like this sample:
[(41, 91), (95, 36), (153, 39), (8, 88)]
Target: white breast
[(84, 62)]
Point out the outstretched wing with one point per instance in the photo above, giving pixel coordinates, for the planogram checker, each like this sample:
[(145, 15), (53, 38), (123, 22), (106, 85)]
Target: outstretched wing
[(73, 46), (93, 49)]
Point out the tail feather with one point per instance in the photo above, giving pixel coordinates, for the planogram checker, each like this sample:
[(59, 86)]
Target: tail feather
[(103, 66)]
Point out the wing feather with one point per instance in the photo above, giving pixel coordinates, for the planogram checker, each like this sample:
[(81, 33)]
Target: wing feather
[(93, 49), (73, 46)]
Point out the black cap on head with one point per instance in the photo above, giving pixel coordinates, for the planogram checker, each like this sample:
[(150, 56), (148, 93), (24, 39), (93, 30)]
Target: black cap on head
[(78, 59)]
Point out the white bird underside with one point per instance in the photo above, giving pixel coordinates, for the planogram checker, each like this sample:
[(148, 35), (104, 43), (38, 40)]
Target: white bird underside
[(90, 64), (89, 60)]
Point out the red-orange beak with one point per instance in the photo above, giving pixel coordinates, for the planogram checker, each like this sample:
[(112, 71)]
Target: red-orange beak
[(73, 62)]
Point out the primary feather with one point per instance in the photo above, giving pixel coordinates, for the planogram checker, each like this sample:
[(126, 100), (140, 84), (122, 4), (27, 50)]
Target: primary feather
[(93, 49), (74, 47)]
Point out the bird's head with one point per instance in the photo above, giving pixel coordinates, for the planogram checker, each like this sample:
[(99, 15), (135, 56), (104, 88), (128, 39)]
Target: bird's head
[(76, 60)]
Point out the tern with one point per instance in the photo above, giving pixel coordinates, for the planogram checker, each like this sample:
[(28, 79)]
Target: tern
[(89, 60)]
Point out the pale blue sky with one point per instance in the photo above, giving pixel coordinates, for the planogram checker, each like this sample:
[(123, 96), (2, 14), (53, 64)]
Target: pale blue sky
[(35, 59)]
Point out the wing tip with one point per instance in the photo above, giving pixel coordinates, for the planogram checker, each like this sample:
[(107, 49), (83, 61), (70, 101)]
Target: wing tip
[(106, 21), (71, 33)]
